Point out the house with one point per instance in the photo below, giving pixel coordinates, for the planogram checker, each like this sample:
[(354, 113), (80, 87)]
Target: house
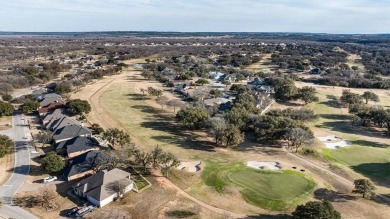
[(264, 88), (70, 131), (83, 164), (218, 86), (57, 123), (216, 75), (56, 114), (315, 71), (257, 81), (51, 107), (99, 188), (229, 78), (38, 94), (76, 146), (47, 99)]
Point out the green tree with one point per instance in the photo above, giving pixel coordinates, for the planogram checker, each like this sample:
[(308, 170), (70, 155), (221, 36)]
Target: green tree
[(7, 97), (285, 89), (147, 75), (154, 92), (307, 94), (5, 144), (52, 163), (97, 129), (6, 109), (168, 160), (116, 137), (156, 155), (368, 95), (316, 210), (348, 98), (216, 93), (29, 106), (202, 81), (63, 88), (364, 187), (232, 136), (78, 107), (296, 137), (193, 117), (217, 127)]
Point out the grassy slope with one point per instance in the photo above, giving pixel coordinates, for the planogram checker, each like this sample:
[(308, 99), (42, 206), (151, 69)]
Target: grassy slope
[(273, 190), (370, 152)]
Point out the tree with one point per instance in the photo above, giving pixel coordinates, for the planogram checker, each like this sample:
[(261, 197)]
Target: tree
[(6, 109), (5, 144), (316, 210), (147, 75), (47, 198), (143, 158), (368, 95), (29, 106), (6, 88), (285, 89), (117, 137), (217, 127), (348, 98), (216, 93), (168, 160), (193, 117), (43, 137), (307, 94), (154, 92), (201, 81), (78, 107), (97, 129), (118, 186), (156, 155), (296, 137), (233, 136), (52, 163), (175, 103), (364, 187), (162, 100), (63, 88), (7, 97)]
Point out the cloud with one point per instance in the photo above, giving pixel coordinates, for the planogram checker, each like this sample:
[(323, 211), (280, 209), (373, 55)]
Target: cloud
[(333, 16)]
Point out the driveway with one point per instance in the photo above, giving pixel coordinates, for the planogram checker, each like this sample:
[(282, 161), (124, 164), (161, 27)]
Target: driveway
[(19, 133)]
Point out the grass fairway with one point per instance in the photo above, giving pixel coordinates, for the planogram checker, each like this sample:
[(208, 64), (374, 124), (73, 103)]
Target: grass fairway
[(273, 190)]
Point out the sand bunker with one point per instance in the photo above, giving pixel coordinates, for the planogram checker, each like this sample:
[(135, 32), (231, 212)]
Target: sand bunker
[(330, 142), (268, 165), (329, 138), (190, 166)]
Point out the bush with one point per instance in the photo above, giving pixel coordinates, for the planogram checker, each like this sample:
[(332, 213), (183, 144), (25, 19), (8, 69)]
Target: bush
[(52, 163)]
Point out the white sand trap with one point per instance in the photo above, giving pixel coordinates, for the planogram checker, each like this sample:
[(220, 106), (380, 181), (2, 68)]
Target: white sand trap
[(268, 165), (336, 145), (190, 166), (329, 138)]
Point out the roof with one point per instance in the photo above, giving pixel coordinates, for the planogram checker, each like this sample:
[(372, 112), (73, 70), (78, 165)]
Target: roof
[(48, 100), (82, 163), (77, 144), (50, 107), (97, 185), (70, 131), (215, 101), (57, 123)]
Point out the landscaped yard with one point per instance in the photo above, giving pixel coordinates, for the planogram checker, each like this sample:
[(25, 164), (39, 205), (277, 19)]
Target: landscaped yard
[(273, 190)]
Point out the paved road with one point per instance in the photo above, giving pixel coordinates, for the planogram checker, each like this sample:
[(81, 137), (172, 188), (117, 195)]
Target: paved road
[(22, 167)]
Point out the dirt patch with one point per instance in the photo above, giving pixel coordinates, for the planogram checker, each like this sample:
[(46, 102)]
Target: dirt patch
[(6, 167)]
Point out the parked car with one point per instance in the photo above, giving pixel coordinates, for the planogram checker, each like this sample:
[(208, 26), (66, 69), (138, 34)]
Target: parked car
[(49, 179), (84, 211), (72, 211)]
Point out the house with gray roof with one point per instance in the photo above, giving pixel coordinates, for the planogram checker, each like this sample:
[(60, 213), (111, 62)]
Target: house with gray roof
[(70, 131), (48, 99), (57, 123), (83, 164), (100, 189), (76, 146), (56, 114)]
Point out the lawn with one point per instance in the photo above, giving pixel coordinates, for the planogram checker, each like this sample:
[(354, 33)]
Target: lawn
[(370, 151), (273, 190)]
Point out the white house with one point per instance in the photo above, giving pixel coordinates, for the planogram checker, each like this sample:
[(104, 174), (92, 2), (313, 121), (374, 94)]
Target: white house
[(100, 188)]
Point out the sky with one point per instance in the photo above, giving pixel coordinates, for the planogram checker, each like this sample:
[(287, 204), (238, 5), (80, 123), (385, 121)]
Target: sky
[(317, 16)]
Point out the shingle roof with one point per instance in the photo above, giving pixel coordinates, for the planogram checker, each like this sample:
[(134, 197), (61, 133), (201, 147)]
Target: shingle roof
[(50, 107), (55, 124), (70, 131), (58, 113), (82, 163), (77, 144), (50, 98), (97, 185)]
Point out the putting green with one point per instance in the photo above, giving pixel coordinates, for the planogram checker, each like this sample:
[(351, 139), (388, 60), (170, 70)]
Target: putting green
[(274, 190)]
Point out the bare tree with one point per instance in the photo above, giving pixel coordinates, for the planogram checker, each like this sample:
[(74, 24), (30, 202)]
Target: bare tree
[(175, 103), (43, 137), (162, 100), (108, 213), (47, 198), (296, 137), (118, 186)]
